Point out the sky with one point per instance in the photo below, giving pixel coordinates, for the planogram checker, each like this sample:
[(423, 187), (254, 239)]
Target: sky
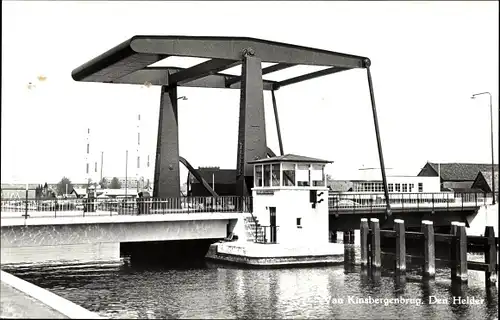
[(428, 58)]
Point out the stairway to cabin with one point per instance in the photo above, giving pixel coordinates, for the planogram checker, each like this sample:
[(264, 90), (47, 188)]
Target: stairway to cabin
[(250, 230)]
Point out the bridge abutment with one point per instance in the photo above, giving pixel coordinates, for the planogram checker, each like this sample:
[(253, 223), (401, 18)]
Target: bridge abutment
[(68, 253)]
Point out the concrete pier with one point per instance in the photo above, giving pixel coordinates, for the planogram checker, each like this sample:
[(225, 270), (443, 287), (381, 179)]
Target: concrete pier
[(269, 255)]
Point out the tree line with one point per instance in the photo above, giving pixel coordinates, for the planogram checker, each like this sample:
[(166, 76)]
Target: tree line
[(66, 186)]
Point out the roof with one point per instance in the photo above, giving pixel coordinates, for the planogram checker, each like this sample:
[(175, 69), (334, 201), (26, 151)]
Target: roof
[(460, 171), (290, 158), (466, 190), (129, 61), (219, 176), (487, 177)]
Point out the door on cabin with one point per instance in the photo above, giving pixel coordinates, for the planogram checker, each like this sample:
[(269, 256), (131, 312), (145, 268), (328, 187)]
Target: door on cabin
[(272, 224)]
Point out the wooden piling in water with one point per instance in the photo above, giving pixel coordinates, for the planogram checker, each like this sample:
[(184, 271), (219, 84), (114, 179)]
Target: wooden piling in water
[(370, 242), (363, 234), (429, 249), (334, 236), (399, 227), (490, 255), (375, 243), (453, 249), (346, 237), (461, 253)]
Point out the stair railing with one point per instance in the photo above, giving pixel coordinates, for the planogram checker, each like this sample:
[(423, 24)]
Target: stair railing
[(253, 217), (256, 226)]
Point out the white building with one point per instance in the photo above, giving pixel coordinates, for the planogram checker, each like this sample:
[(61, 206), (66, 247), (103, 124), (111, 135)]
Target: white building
[(290, 199), (399, 184)]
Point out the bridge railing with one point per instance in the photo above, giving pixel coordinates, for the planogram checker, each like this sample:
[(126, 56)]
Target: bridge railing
[(14, 208), (374, 201)]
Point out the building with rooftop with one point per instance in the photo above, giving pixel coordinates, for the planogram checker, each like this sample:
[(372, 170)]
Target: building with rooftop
[(222, 181), (458, 177)]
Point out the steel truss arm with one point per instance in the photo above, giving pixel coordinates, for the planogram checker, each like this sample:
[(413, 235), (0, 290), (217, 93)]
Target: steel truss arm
[(311, 75), (159, 76), (270, 69), (201, 70), (234, 48)]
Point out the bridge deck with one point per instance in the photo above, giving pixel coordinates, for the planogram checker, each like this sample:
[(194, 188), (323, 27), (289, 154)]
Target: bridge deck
[(72, 217), (349, 202)]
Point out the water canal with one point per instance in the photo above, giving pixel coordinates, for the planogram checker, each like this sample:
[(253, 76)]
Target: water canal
[(198, 289)]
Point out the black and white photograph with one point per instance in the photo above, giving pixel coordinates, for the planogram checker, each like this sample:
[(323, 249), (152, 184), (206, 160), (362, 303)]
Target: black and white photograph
[(249, 160)]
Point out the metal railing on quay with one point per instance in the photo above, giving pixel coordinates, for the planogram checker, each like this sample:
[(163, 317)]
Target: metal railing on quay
[(14, 208), (375, 201)]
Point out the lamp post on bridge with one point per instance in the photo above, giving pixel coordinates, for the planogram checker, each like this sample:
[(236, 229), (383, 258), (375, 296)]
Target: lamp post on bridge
[(492, 152)]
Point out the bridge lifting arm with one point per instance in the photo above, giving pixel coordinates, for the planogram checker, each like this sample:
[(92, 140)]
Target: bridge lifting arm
[(379, 142)]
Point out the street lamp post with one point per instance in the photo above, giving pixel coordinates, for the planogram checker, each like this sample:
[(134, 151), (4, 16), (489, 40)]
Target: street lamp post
[(492, 152)]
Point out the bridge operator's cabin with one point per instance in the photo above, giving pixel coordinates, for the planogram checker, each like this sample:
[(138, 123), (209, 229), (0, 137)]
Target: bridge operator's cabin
[(290, 199)]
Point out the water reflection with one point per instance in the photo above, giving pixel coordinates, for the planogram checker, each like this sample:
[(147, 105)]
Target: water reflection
[(209, 290)]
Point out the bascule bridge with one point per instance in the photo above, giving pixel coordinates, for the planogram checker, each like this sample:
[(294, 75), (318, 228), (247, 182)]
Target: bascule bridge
[(129, 63)]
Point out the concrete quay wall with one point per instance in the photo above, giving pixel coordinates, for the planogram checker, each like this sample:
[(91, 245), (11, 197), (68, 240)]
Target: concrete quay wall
[(21, 299)]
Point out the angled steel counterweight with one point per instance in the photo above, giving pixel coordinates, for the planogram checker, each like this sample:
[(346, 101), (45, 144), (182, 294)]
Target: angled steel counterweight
[(129, 62)]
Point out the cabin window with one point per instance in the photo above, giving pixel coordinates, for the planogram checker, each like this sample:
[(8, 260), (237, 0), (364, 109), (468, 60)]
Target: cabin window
[(288, 174), (258, 176), (303, 175), (412, 186), (299, 223), (267, 175), (420, 187), (405, 187), (390, 186), (275, 174), (318, 175), (398, 187)]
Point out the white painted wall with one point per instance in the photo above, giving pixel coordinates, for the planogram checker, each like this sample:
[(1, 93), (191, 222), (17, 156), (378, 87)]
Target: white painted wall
[(70, 253), (486, 216), (238, 227), (293, 203)]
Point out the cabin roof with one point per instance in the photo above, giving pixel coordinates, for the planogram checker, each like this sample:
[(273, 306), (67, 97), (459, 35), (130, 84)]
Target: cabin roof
[(290, 158)]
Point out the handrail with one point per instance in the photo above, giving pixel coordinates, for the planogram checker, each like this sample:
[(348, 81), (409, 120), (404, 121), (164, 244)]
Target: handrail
[(13, 208), (265, 233), (406, 201)]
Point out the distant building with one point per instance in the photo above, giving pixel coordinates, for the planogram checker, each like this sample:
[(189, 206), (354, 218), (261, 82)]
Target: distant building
[(223, 181), (398, 184), (18, 190), (130, 182), (458, 177), (340, 185), (484, 181)]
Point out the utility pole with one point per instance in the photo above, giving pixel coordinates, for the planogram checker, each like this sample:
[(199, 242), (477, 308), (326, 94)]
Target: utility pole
[(126, 174), (102, 162)]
